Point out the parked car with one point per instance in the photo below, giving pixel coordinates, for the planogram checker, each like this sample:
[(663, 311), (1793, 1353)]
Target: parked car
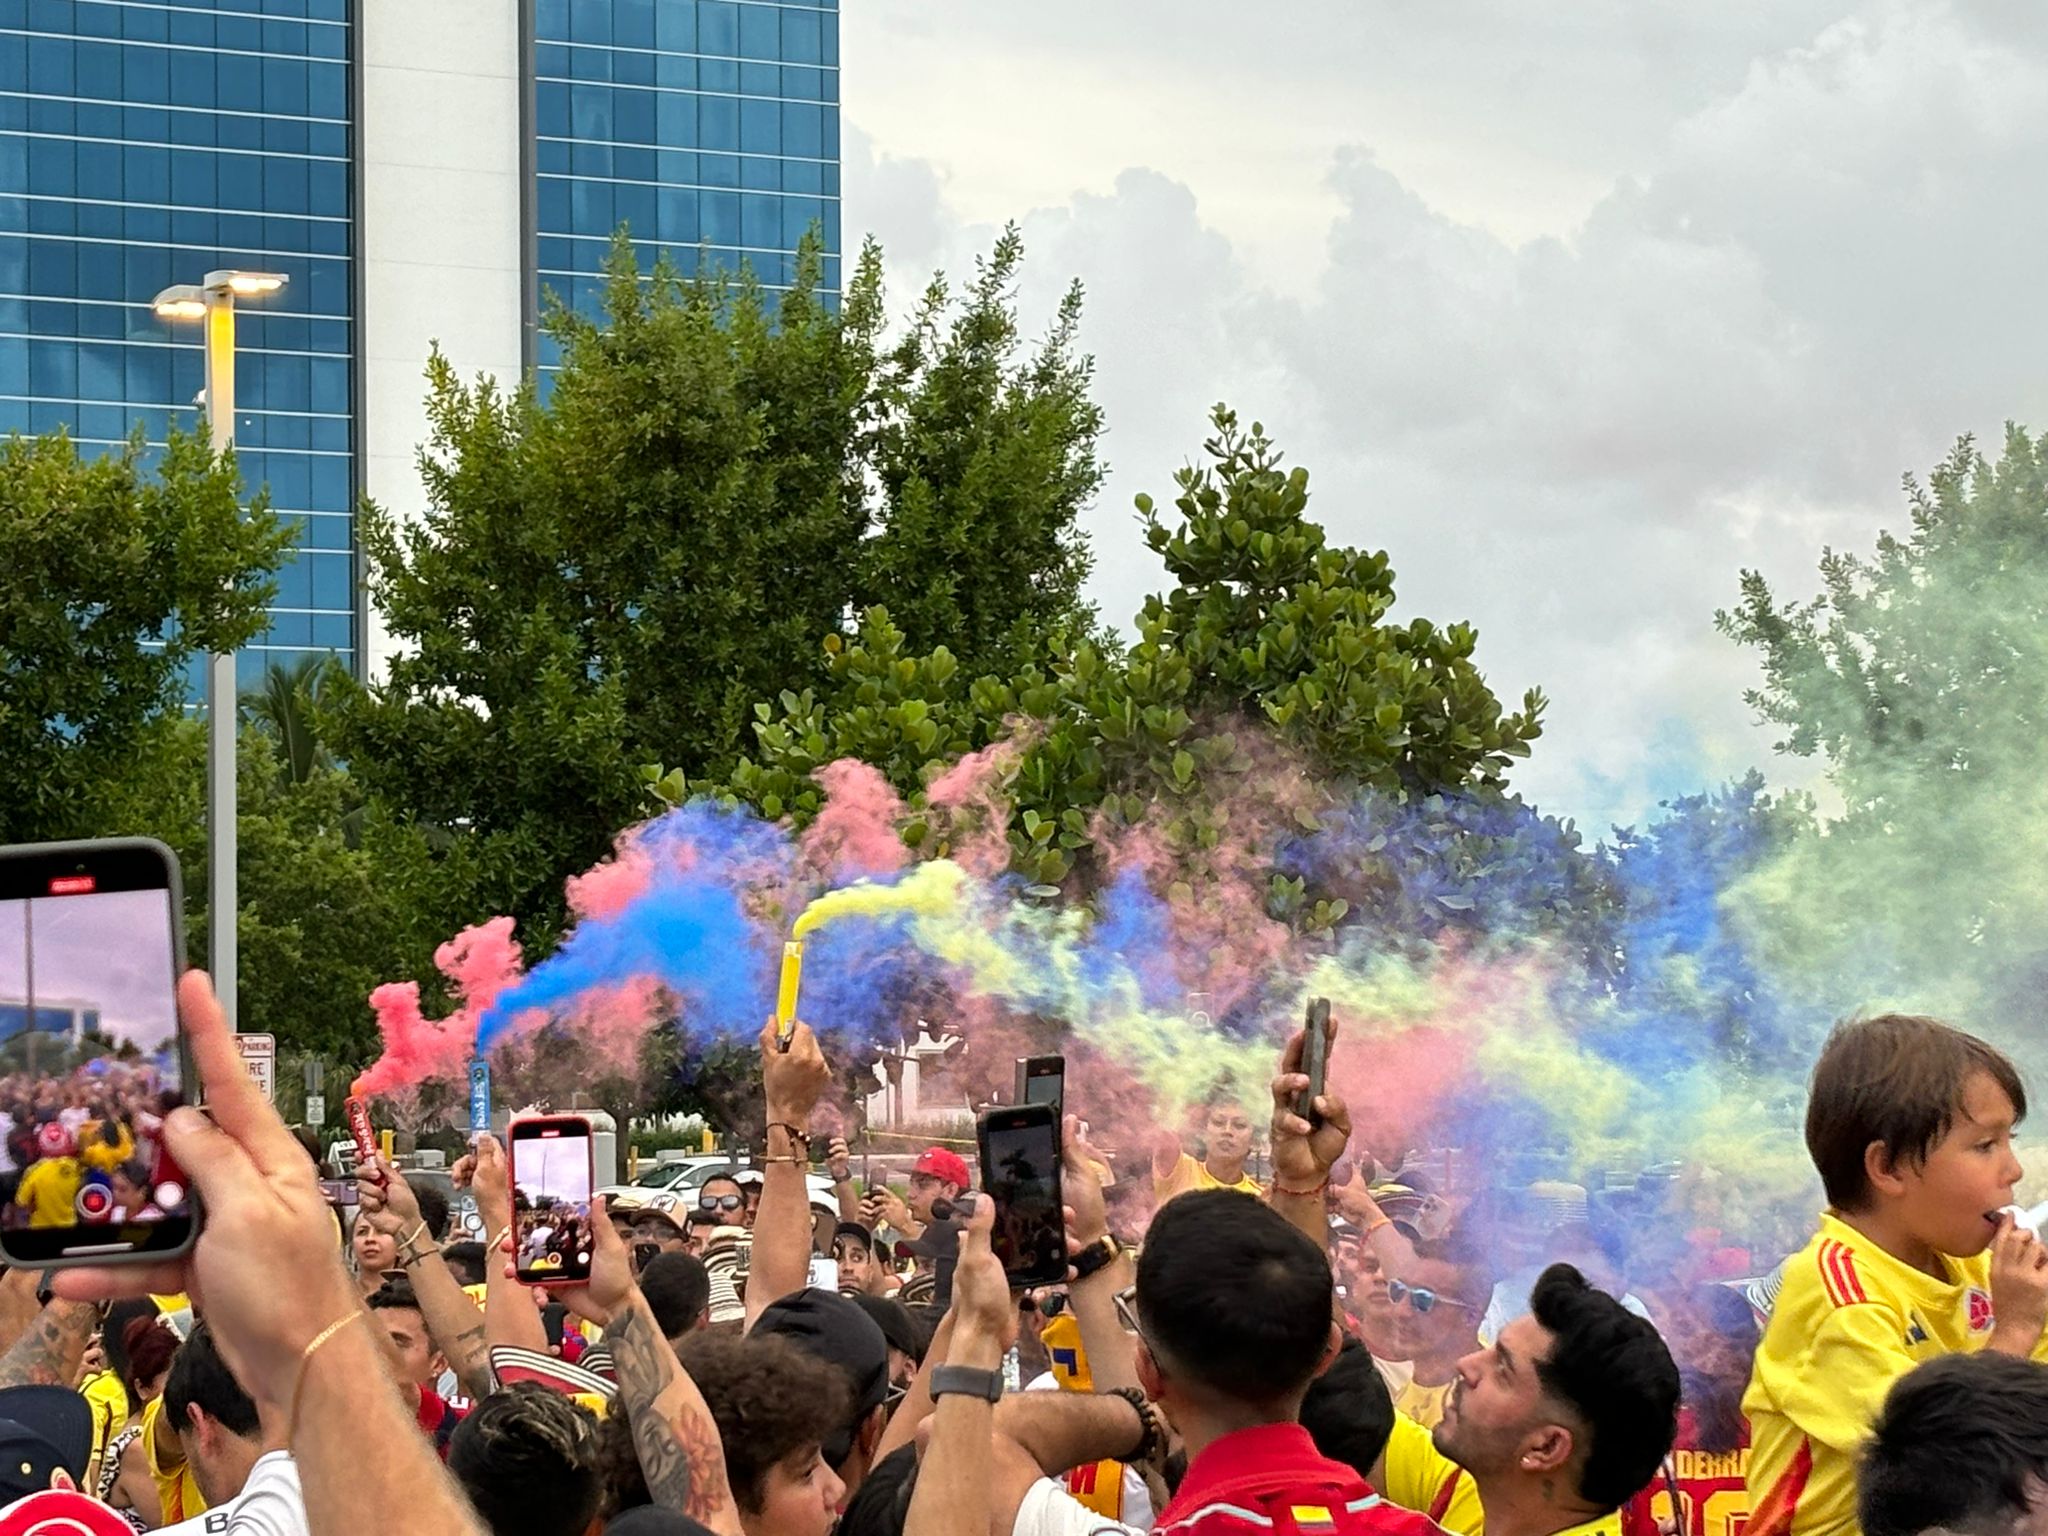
[(664, 1177)]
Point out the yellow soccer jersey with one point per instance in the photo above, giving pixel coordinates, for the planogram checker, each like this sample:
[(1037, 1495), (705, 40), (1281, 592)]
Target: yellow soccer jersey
[(1850, 1320), (1418, 1476), (1188, 1174), (1425, 1405)]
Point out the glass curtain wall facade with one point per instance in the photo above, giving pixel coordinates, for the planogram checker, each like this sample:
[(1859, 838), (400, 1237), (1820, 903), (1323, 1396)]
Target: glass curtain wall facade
[(710, 128), (143, 144)]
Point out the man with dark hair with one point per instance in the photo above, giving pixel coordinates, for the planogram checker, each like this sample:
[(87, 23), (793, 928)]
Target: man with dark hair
[(776, 1405), (528, 1459), (241, 1465), (1568, 1414), (860, 1273), (1962, 1445), (828, 1327), (1234, 1311), (1347, 1410), (678, 1287), (1438, 1298), (905, 1336), (416, 1364), (433, 1206), (466, 1261)]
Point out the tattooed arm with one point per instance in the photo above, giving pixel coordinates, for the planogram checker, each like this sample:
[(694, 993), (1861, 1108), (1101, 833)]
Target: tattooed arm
[(48, 1354), (680, 1453), (674, 1435)]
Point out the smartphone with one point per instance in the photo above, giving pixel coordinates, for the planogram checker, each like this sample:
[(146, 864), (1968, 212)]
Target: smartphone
[(551, 1184), (90, 951), (1020, 1171), (1042, 1080), (1315, 1058)]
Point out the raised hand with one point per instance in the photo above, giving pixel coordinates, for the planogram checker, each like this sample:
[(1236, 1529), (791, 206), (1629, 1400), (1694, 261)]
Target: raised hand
[(792, 1080), (265, 1216), (839, 1160), (1303, 1155)]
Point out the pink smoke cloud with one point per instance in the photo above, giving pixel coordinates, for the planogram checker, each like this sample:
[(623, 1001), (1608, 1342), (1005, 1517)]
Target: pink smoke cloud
[(479, 962), (978, 825), (607, 889), (855, 834)]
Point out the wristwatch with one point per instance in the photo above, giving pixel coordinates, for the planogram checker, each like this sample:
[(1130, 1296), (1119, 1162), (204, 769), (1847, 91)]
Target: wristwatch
[(967, 1381), (1098, 1255)]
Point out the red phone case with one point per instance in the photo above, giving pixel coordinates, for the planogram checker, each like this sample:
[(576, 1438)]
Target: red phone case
[(539, 1276)]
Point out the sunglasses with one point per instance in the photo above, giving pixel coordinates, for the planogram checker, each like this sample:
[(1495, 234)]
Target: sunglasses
[(720, 1202), (1421, 1298), (1127, 1308)]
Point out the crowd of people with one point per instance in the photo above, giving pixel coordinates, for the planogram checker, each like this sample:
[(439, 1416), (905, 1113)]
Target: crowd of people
[(83, 1147), (1331, 1349)]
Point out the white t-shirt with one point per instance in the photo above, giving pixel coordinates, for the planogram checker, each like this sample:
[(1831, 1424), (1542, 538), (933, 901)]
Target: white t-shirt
[(270, 1504), (1049, 1510), (1137, 1493)]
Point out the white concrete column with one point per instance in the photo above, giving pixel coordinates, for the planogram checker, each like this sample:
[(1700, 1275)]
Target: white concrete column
[(441, 231)]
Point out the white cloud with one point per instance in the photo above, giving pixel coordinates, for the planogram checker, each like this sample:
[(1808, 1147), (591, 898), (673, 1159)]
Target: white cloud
[(1575, 314)]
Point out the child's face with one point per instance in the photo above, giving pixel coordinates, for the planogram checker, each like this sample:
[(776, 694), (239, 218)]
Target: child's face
[(1952, 1201)]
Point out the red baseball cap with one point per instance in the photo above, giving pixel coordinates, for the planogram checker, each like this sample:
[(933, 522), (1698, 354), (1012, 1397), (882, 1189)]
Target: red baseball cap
[(949, 1167)]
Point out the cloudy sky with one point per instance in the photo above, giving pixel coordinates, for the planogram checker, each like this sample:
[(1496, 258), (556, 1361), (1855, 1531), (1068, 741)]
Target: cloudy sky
[(1575, 308), (107, 950)]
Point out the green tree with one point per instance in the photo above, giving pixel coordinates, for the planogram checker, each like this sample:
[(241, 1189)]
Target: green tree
[(1919, 676), (115, 571), (1269, 635), (614, 573)]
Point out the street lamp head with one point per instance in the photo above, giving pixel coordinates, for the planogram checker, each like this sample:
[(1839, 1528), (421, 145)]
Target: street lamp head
[(185, 301), (246, 285)]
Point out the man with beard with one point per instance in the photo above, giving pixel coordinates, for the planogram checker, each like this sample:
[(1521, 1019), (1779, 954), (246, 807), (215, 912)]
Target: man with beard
[(1227, 1137), (1713, 1336), (1552, 1429)]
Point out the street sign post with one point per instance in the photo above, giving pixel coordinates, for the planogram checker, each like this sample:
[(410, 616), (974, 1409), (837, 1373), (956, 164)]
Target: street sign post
[(259, 1055), (316, 1110)]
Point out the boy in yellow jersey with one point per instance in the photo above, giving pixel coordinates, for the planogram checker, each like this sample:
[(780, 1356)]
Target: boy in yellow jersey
[(1910, 1123)]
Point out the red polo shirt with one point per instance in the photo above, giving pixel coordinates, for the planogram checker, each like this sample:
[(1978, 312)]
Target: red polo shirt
[(1270, 1480)]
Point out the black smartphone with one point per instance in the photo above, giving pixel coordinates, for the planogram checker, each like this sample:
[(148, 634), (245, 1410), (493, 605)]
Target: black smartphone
[(1042, 1080), (1020, 1170), (552, 1175), (90, 950), (1315, 1058)]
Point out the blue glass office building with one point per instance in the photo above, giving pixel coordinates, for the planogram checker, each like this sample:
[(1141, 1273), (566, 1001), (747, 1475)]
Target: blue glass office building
[(708, 129), (144, 143)]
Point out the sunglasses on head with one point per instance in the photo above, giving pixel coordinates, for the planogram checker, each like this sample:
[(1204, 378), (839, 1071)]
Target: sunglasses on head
[(720, 1202), (1127, 1308), (1421, 1298)]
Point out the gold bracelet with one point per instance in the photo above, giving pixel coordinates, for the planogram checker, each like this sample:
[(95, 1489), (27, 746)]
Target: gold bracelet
[(413, 1236), (305, 1361), (499, 1241), (792, 1161)]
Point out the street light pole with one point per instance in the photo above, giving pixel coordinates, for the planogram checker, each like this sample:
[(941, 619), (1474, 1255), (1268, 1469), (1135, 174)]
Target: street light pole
[(221, 842), (213, 301)]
